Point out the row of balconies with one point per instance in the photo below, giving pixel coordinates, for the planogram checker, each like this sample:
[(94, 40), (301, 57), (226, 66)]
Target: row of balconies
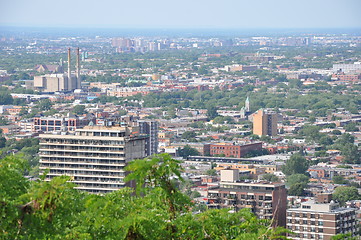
[(83, 153), (112, 176), (81, 169), (76, 162), (80, 156), (71, 167), (72, 142), (78, 149)]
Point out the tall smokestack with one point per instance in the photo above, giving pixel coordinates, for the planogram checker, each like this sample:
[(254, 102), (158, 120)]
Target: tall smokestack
[(77, 68), (69, 71)]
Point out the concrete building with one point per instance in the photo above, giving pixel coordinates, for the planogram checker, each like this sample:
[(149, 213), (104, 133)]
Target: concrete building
[(60, 82), (347, 68), (150, 128), (69, 123), (94, 157), (315, 220), (264, 123), (266, 200)]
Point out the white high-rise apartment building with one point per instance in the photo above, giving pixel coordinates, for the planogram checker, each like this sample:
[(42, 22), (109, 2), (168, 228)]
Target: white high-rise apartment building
[(94, 156)]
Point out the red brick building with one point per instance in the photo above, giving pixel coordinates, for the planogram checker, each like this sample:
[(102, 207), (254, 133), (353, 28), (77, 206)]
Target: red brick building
[(232, 150)]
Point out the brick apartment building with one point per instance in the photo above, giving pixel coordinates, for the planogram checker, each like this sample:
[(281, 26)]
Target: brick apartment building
[(318, 220), (267, 200), (232, 150), (265, 123)]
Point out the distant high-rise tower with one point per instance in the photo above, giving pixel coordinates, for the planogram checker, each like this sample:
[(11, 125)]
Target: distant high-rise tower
[(265, 123), (151, 129)]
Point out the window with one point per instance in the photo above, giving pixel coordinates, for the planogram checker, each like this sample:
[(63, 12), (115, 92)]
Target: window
[(304, 221), (320, 223)]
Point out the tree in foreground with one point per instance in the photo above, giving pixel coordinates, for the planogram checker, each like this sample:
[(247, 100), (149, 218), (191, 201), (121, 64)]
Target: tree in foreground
[(156, 210)]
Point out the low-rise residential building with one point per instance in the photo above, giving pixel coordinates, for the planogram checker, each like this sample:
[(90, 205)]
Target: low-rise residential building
[(234, 150)]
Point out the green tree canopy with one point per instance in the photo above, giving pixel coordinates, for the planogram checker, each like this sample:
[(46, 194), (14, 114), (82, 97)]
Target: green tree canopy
[(339, 180), (270, 177), (297, 178), (79, 109), (212, 112), (297, 189), (344, 194), (187, 151), (296, 164)]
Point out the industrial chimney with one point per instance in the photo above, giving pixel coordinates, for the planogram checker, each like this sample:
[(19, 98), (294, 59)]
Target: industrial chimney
[(69, 71), (78, 68)]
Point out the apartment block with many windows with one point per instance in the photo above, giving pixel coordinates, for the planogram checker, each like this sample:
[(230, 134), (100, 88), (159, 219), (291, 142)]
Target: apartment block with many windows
[(320, 220), (94, 156), (267, 200)]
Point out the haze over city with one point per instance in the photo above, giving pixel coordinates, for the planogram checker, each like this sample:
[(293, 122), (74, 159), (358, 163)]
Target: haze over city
[(182, 14)]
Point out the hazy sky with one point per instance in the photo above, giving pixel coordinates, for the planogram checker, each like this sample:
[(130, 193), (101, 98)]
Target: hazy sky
[(183, 13)]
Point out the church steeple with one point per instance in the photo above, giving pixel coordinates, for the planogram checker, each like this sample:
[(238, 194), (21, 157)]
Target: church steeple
[(246, 104)]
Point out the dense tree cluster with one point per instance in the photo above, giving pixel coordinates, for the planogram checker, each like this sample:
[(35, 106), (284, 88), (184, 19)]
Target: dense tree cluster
[(297, 164), (318, 103)]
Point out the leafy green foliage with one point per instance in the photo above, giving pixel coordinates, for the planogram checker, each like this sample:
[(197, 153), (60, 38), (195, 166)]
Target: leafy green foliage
[(79, 109), (339, 180), (55, 210), (211, 172), (349, 151), (296, 164), (187, 151), (344, 194), (297, 190), (270, 177), (297, 178), (212, 112)]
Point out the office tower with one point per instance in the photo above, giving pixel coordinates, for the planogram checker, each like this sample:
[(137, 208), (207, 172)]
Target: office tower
[(315, 220), (265, 123), (150, 128), (266, 200), (94, 156)]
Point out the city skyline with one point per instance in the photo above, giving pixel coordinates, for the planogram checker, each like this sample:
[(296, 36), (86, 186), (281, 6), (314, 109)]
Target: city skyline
[(185, 14)]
